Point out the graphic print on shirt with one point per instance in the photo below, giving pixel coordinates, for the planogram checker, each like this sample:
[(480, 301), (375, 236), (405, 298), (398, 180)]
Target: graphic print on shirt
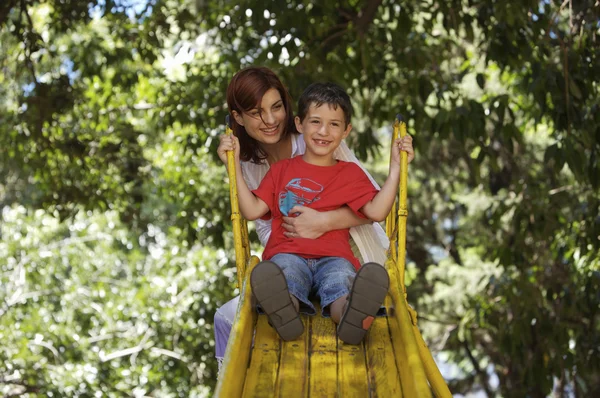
[(298, 192)]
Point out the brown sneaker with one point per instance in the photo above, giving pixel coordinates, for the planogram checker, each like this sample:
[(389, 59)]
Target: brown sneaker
[(369, 289), (271, 292)]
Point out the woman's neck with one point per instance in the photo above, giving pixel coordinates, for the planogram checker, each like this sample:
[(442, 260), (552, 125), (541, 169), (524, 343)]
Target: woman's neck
[(279, 151)]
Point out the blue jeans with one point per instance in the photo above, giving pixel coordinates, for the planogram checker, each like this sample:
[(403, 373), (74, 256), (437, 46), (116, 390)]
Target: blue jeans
[(328, 277)]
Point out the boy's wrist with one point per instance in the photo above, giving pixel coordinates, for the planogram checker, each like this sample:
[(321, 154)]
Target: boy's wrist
[(394, 167)]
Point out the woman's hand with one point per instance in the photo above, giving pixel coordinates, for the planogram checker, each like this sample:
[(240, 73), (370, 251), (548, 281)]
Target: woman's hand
[(309, 223), (403, 144), (228, 142)]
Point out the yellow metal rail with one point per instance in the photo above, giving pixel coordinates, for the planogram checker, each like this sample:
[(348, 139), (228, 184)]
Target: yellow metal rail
[(413, 339), (266, 367), (240, 229)]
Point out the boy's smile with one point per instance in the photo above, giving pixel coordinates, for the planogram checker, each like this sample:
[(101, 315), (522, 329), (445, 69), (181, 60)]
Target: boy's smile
[(324, 128)]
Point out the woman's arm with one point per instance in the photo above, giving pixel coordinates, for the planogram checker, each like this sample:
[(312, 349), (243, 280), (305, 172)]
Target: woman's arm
[(311, 223)]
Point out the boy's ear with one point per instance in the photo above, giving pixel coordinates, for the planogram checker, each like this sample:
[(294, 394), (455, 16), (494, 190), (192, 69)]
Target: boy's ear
[(298, 124), (348, 130), (238, 118)]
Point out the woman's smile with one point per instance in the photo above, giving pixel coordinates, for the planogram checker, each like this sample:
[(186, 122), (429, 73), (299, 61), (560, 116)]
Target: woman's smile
[(271, 130)]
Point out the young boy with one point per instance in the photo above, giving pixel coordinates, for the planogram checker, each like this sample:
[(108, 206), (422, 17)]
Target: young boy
[(294, 267)]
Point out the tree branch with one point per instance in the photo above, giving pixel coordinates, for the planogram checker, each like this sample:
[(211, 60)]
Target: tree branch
[(5, 10), (361, 21), (452, 249), (27, 49), (366, 16), (331, 37), (483, 377), (566, 77)]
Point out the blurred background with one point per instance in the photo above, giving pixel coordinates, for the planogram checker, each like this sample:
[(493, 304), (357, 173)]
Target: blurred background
[(116, 244)]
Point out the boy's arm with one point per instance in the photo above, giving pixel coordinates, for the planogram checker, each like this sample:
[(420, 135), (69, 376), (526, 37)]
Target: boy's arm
[(381, 204), (251, 206)]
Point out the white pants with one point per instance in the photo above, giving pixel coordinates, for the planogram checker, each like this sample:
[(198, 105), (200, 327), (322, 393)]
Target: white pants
[(223, 322)]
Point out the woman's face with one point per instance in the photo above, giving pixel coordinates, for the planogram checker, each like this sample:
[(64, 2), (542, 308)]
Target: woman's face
[(265, 123)]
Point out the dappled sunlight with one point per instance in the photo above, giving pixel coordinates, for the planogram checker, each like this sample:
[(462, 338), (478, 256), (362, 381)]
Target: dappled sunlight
[(116, 240)]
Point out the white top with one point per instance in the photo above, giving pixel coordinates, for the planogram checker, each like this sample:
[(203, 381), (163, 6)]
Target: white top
[(370, 239)]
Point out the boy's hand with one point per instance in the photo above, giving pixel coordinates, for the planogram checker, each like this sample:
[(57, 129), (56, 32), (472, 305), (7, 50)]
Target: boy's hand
[(403, 144), (228, 143)]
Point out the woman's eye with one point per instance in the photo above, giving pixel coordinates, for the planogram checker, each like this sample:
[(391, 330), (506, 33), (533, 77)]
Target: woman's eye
[(278, 107)]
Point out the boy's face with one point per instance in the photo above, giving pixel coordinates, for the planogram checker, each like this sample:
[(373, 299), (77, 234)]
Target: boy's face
[(324, 128)]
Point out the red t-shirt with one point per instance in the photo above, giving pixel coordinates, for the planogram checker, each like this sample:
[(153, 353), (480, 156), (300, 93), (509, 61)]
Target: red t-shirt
[(293, 182)]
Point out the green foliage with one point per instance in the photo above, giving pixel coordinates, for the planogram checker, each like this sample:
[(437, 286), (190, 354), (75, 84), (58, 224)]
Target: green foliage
[(109, 115), (87, 308)]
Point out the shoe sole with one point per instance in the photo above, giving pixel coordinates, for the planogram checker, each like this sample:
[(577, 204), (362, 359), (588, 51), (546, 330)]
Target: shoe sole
[(271, 292), (369, 289)]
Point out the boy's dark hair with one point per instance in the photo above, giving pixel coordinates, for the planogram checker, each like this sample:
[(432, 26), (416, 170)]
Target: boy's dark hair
[(325, 93)]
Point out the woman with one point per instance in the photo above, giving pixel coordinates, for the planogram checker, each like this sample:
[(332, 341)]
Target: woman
[(262, 119)]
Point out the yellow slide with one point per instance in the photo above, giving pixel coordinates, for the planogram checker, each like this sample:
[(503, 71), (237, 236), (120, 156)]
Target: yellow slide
[(392, 361)]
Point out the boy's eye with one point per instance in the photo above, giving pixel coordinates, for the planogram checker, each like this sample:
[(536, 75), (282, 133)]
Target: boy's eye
[(314, 121)]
